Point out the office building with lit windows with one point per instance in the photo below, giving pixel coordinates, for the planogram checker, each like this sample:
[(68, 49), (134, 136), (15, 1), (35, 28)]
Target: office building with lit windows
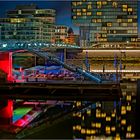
[(103, 21), (28, 22), (61, 33)]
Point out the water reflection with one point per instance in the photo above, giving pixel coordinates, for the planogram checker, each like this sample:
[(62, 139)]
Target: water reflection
[(113, 119)]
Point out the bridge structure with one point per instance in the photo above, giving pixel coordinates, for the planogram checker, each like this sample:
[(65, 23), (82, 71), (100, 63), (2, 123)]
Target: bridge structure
[(7, 48), (79, 91), (6, 51), (96, 90)]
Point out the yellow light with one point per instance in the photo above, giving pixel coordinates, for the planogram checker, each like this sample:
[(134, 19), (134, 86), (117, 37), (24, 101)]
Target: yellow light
[(74, 128), (132, 135), (83, 131), (93, 124), (113, 114), (93, 131), (99, 13), (88, 131), (78, 103), (123, 112), (108, 118), (103, 115), (98, 125), (128, 97), (89, 112), (124, 6), (128, 108), (129, 128), (123, 122), (117, 138), (98, 115), (107, 128), (128, 135), (113, 128), (78, 127)]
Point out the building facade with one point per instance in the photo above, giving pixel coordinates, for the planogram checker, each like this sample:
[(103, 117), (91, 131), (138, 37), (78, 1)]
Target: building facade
[(102, 21), (28, 22), (61, 33)]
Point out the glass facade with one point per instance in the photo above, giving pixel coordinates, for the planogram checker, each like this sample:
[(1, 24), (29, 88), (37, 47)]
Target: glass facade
[(106, 20), (28, 23)]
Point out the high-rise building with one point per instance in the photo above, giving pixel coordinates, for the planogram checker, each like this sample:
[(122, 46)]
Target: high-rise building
[(103, 21), (28, 22), (61, 33)]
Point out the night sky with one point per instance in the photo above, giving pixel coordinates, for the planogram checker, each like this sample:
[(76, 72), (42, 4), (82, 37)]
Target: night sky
[(63, 10)]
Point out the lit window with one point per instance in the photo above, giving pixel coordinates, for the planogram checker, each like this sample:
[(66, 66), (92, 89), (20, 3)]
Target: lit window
[(130, 20), (129, 128), (99, 20), (83, 131), (109, 24), (84, 10), (78, 13), (108, 118), (74, 17), (124, 10), (130, 9), (119, 20), (123, 122), (124, 6), (89, 6), (89, 13), (114, 4), (74, 3), (99, 13)]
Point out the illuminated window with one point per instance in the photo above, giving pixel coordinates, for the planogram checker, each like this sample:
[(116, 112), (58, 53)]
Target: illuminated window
[(74, 17), (78, 13), (124, 10), (129, 20), (130, 9), (104, 2), (129, 128), (98, 125), (114, 4), (84, 10), (123, 122), (113, 128), (83, 131), (99, 13), (99, 20), (93, 131), (89, 6), (128, 108), (108, 118), (128, 97), (79, 3), (89, 13), (124, 6), (74, 3), (109, 24), (19, 11), (119, 20), (88, 131)]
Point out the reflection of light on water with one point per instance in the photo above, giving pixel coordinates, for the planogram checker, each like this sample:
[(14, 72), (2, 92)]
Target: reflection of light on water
[(112, 119)]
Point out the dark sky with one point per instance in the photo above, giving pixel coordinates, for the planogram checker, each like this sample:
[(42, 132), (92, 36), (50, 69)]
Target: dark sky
[(63, 9)]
